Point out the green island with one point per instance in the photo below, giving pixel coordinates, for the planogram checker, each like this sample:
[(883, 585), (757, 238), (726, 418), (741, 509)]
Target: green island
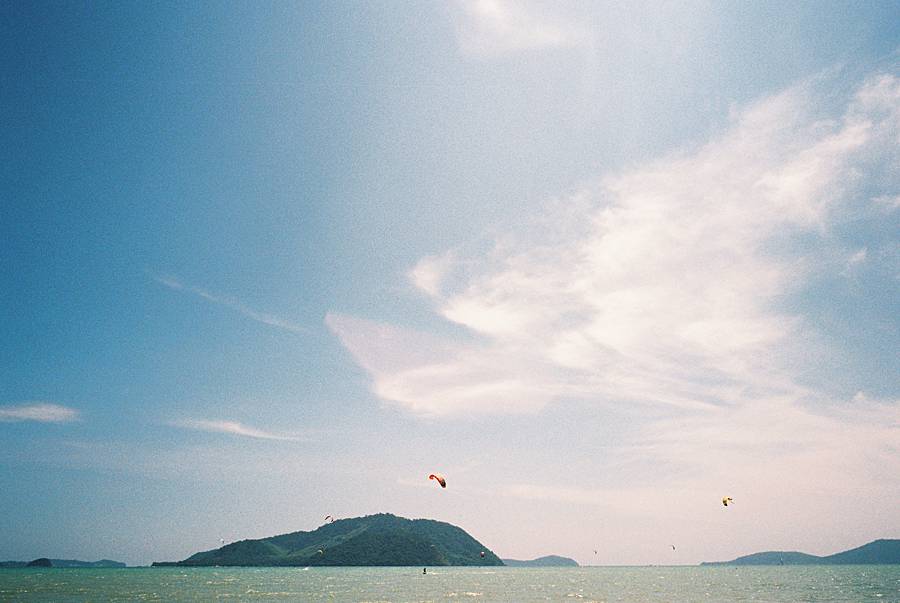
[(878, 552), (67, 563), (373, 540), (546, 561)]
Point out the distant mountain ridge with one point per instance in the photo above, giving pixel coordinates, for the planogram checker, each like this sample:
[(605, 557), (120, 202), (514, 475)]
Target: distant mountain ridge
[(44, 562), (374, 540), (877, 552), (546, 561)]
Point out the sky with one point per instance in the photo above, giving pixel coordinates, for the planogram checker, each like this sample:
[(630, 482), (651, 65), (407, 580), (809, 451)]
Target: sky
[(600, 264)]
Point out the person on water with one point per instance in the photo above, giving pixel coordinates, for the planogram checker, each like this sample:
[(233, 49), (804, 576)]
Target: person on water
[(423, 571)]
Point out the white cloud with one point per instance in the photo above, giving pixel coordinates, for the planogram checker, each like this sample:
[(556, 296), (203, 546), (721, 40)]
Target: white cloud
[(854, 261), (232, 427), (430, 273), (270, 319), (44, 412), (665, 285), (887, 203), (838, 440), (430, 376), (497, 27)]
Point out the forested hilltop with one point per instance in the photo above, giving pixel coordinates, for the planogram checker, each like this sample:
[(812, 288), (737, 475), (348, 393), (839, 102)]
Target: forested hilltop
[(374, 540), (878, 552), (44, 562), (546, 561)]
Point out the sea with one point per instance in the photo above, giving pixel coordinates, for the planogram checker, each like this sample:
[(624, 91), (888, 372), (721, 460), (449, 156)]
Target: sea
[(688, 584)]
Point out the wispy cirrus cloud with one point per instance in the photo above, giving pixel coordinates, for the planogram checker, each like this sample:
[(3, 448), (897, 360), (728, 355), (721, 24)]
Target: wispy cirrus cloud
[(232, 428), (666, 285), (887, 202), (498, 27), (175, 283), (42, 412)]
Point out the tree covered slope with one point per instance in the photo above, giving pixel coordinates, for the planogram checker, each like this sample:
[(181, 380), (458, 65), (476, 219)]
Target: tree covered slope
[(374, 540), (881, 552)]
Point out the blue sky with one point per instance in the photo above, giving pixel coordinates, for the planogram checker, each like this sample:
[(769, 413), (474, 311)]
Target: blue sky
[(600, 265)]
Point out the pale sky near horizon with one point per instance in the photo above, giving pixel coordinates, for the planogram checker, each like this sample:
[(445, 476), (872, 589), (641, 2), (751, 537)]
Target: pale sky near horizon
[(599, 264)]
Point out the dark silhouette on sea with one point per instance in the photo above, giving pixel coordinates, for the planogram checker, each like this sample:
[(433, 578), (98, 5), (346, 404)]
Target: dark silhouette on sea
[(547, 561), (878, 552), (65, 563), (374, 540)]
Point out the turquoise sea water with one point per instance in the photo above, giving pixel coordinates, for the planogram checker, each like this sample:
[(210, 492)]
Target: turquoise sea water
[(621, 584)]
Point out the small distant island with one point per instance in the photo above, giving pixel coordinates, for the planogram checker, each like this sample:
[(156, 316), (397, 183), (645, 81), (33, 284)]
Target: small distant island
[(374, 540), (45, 562), (546, 561), (878, 552)]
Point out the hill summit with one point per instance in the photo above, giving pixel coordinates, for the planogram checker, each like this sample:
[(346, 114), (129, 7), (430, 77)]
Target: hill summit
[(67, 563), (876, 552), (373, 540), (546, 561)]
